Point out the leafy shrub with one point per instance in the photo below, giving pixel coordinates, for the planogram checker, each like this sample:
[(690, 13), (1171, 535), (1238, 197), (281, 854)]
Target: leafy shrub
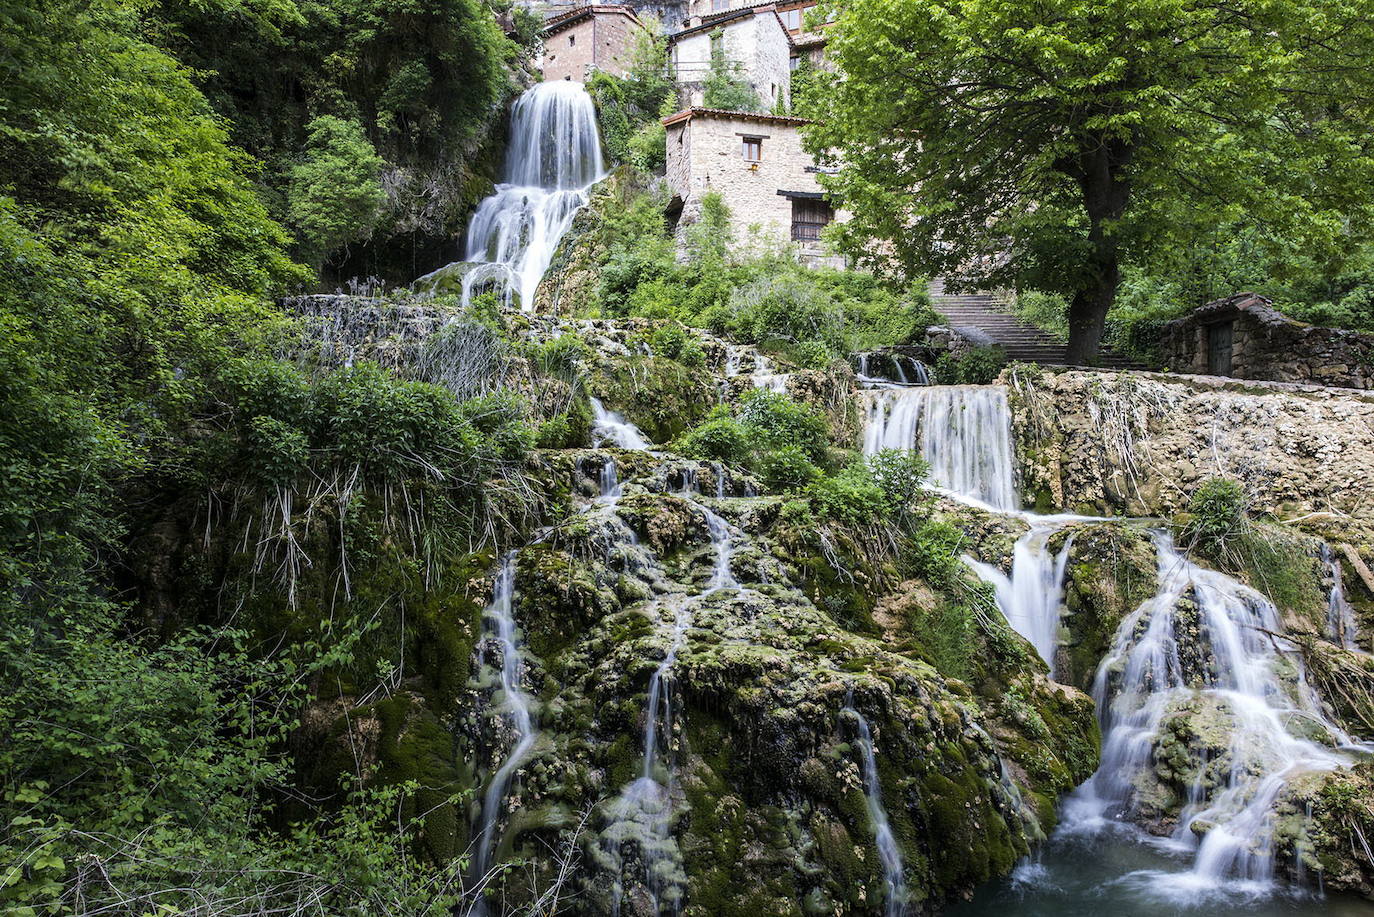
[(775, 421), (1046, 311), (850, 497), (336, 195), (725, 86), (1217, 511), (721, 438), (899, 473), (787, 470), (976, 366)]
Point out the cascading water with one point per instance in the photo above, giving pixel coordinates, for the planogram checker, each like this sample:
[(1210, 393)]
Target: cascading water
[(764, 377), (1031, 597), (890, 855), (1208, 641), (552, 161), (642, 814), (1340, 616), (964, 432), (500, 617), (611, 427)]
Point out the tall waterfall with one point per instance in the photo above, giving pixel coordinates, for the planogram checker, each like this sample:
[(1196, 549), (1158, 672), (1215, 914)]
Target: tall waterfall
[(964, 431), (889, 854), (500, 617), (1205, 641), (552, 161), (1031, 597)]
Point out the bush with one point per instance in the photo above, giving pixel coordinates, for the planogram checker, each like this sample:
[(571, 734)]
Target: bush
[(1046, 311), (977, 366), (850, 497), (899, 473), (1216, 512), (721, 438), (787, 470), (335, 196), (775, 421), (725, 86)]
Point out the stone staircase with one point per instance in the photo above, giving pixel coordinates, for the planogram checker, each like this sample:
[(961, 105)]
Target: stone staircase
[(982, 318)]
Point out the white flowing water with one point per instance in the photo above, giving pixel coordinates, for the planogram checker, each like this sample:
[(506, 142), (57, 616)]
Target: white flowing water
[(1207, 641), (963, 431), (1032, 597), (1340, 616), (552, 161), (500, 618), (611, 427), (890, 855), (764, 377)]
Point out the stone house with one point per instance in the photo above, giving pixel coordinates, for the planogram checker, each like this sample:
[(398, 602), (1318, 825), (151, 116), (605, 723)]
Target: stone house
[(753, 40), (1245, 337), (757, 164), (589, 38)]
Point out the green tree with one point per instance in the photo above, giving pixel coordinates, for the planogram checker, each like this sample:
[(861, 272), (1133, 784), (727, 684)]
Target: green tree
[(1047, 145), (724, 87), (335, 195)]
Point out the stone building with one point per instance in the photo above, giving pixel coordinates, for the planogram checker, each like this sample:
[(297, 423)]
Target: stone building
[(757, 164), (589, 38), (1245, 337), (752, 41)]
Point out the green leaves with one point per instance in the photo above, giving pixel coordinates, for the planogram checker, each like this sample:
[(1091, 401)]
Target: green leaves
[(336, 195)]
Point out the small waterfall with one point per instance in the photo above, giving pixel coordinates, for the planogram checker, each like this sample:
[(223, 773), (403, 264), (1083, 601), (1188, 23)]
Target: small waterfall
[(1225, 660), (888, 852), (610, 482), (1032, 597), (612, 427), (764, 377), (643, 811), (1340, 616), (500, 617), (964, 432), (900, 363), (552, 161)]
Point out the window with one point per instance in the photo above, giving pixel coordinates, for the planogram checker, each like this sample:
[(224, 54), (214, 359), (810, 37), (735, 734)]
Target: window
[(718, 6), (753, 149), (572, 40), (809, 217), (791, 19), (793, 63)]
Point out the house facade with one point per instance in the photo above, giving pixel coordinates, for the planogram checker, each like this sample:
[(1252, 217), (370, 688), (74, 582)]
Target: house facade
[(589, 38), (753, 41), (757, 164)]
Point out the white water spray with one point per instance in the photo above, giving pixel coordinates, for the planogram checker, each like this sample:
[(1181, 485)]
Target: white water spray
[(963, 431), (500, 618), (611, 427), (1031, 598), (552, 161), (889, 854)]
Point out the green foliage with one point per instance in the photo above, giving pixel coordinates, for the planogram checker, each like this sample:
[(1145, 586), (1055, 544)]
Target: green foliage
[(787, 470), (1217, 512), (1046, 311), (725, 86), (629, 108), (900, 474), (1051, 162), (975, 366), (719, 438), (335, 196), (851, 497), (776, 421)]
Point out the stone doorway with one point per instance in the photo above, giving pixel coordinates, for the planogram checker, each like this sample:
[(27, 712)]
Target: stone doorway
[(1219, 340)]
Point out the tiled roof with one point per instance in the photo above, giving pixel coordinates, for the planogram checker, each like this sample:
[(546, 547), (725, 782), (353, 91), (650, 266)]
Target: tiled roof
[(563, 20), (688, 113)]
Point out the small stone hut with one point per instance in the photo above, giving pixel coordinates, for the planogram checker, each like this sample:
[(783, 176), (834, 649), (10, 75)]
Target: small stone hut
[(589, 38), (1245, 337)]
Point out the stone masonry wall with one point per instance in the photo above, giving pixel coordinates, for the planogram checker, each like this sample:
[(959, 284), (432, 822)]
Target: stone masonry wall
[(758, 44), (1139, 444), (570, 52), (1268, 345)]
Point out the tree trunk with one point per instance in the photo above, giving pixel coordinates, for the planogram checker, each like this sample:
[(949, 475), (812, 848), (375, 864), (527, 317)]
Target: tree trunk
[(1099, 170)]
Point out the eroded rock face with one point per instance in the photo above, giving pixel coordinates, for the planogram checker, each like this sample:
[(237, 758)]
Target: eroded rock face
[(1139, 444)]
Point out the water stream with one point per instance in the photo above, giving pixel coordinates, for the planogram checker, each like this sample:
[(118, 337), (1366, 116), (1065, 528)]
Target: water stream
[(552, 161), (516, 706), (890, 855), (1205, 647), (611, 427)]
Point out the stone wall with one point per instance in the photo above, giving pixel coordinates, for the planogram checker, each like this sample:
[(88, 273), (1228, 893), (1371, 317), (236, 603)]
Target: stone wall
[(591, 38), (1140, 443), (1266, 344), (757, 43), (705, 153)]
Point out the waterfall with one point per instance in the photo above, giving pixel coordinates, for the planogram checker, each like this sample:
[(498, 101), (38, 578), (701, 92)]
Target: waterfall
[(552, 161), (1031, 598), (500, 617), (964, 432), (1340, 616), (888, 852), (610, 482), (643, 811), (612, 427), (764, 377), (1224, 660)]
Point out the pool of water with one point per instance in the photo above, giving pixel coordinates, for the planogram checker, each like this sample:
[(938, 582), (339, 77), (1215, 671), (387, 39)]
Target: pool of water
[(1119, 872)]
